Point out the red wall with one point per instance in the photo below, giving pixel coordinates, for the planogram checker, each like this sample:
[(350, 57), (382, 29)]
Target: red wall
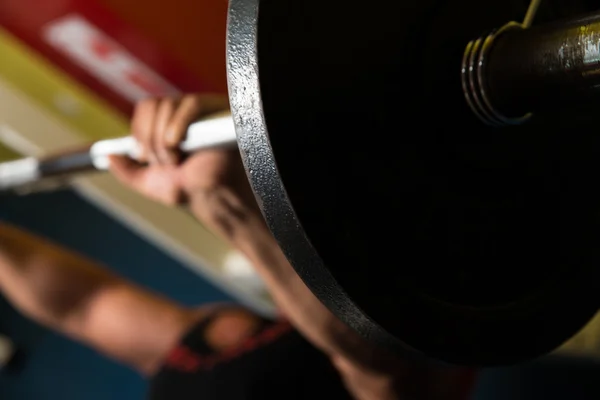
[(193, 31), (182, 41)]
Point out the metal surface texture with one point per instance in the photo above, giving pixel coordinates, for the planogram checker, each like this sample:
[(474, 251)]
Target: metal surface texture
[(254, 145), (414, 223), (475, 79), (551, 66)]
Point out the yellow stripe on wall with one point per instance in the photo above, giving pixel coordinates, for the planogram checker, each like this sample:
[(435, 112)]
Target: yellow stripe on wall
[(56, 92)]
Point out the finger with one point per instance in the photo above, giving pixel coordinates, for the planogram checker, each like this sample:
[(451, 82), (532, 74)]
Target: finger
[(166, 154), (127, 171), (142, 126), (189, 110), (157, 183)]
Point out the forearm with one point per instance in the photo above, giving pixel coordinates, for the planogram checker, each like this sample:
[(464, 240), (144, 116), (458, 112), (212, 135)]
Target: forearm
[(44, 281), (245, 229), (295, 300), (369, 371)]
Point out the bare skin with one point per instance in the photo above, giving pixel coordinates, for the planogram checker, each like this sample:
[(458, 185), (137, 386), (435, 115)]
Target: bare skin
[(79, 298), (214, 185), (74, 295)]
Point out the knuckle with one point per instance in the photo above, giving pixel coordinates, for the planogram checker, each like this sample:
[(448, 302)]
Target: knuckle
[(167, 103), (146, 104), (175, 133)]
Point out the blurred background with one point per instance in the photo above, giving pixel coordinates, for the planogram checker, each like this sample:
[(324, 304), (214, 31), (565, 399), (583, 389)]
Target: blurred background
[(70, 73)]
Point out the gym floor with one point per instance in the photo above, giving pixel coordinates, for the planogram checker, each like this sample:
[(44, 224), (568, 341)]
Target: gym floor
[(53, 367)]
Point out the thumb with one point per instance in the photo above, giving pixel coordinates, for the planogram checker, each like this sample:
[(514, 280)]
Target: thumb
[(156, 183), (126, 170)]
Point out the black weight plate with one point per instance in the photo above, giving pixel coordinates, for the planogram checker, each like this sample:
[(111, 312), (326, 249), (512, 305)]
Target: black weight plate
[(411, 221)]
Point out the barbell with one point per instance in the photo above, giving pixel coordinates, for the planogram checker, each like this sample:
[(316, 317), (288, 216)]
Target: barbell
[(428, 167), (431, 179)]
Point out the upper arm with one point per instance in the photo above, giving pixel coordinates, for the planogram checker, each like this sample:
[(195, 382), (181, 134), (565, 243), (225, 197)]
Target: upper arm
[(129, 324), (77, 297)]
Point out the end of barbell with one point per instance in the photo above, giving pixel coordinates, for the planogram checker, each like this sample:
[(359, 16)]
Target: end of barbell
[(474, 79), (18, 173)]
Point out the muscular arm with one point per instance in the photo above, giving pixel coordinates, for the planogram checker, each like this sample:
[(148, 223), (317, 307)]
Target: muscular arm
[(369, 372), (75, 296)]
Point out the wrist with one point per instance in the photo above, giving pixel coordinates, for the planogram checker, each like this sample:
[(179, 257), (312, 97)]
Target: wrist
[(236, 220), (241, 224)]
